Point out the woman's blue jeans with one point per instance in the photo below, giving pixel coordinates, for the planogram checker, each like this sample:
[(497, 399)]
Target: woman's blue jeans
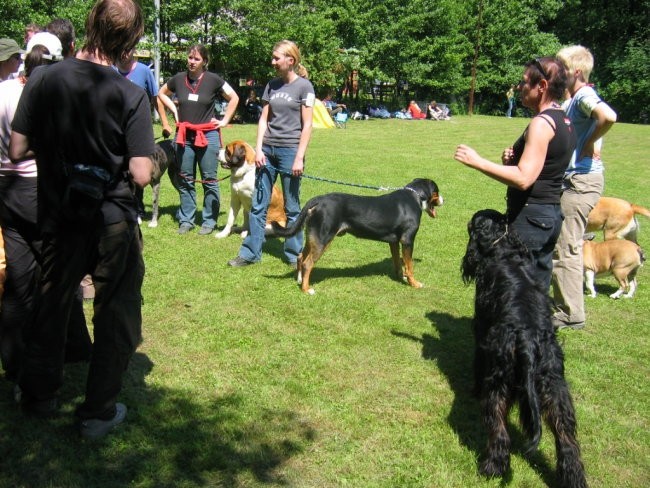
[(188, 157), (279, 161)]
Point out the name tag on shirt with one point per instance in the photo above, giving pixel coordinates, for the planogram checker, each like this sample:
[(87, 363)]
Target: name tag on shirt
[(193, 97)]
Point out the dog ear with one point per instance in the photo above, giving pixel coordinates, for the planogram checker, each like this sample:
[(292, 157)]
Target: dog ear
[(239, 152), (486, 227)]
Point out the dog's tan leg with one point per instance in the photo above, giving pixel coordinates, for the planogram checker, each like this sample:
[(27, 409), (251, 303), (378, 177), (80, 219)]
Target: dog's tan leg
[(397, 261), (311, 252), (621, 275), (632, 289), (407, 253)]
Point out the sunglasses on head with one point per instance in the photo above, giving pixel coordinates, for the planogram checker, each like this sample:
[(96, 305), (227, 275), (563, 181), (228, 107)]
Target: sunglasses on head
[(540, 68)]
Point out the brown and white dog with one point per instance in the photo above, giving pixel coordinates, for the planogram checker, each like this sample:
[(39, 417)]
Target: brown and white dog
[(616, 218), (619, 257), (239, 158)]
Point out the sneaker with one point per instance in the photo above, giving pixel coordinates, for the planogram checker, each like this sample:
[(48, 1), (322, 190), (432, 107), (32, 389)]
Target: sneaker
[(205, 230), (560, 324), (239, 262), (185, 228), (97, 428)]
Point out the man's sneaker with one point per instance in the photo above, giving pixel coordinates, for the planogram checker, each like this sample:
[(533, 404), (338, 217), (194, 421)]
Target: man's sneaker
[(97, 428), (185, 228), (239, 262), (205, 230), (560, 324)]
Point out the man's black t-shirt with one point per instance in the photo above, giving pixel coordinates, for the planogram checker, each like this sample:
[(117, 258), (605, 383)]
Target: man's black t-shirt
[(79, 112)]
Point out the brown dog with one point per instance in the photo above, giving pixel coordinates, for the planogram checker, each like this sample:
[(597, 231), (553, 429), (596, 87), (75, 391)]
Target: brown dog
[(619, 257), (239, 158), (616, 218)]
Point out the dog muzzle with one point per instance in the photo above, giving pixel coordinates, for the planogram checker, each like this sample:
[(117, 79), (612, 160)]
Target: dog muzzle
[(430, 206)]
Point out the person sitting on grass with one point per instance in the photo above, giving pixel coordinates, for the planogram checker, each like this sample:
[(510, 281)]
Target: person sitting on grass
[(436, 112), (416, 111)]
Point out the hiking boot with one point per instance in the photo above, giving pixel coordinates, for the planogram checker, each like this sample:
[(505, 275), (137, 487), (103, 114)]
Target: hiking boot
[(97, 428)]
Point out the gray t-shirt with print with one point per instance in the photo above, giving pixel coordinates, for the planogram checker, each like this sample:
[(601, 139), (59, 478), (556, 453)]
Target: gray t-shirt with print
[(286, 100)]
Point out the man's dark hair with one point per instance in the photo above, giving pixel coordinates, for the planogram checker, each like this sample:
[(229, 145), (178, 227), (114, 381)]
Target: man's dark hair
[(113, 28), (64, 30)]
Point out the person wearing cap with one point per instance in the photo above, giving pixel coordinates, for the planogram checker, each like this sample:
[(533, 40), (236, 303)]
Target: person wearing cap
[(10, 58)]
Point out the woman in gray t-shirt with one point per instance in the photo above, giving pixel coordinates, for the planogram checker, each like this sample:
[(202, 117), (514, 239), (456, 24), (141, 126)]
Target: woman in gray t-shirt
[(283, 134)]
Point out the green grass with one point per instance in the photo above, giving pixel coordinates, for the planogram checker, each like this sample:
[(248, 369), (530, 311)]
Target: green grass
[(243, 381)]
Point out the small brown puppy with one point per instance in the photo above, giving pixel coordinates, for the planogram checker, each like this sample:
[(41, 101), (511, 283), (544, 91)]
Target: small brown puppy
[(616, 218), (239, 158), (619, 257)]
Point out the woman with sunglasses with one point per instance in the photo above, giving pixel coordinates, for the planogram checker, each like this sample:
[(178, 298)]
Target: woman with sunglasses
[(533, 167)]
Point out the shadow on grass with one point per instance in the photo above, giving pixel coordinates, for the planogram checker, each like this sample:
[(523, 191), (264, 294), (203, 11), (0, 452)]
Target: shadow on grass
[(324, 273), (453, 352), (168, 439)]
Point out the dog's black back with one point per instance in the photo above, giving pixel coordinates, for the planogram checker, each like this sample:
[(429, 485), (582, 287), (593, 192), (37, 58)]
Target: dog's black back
[(517, 356), (165, 160)]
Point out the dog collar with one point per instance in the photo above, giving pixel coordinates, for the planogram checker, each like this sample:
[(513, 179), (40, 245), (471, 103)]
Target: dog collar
[(414, 191), (423, 201)]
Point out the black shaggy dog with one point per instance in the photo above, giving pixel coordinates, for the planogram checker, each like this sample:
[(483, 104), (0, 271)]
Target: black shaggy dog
[(517, 357)]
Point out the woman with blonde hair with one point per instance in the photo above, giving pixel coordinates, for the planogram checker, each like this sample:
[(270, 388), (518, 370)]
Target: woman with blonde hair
[(283, 134)]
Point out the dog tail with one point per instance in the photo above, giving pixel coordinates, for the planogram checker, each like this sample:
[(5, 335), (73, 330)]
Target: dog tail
[(293, 228), (529, 407), (638, 209)]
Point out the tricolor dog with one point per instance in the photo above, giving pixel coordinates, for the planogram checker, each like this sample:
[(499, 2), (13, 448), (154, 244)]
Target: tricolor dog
[(239, 158), (393, 218)]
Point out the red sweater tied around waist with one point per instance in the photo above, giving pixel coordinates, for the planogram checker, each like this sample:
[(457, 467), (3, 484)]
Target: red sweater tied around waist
[(199, 140)]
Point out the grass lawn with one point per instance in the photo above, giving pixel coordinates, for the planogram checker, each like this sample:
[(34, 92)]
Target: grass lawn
[(243, 381)]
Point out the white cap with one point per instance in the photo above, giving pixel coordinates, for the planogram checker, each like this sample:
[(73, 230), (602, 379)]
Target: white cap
[(50, 41)]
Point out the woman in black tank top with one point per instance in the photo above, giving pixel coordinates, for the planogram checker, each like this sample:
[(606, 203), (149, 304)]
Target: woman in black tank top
[(534, 165)]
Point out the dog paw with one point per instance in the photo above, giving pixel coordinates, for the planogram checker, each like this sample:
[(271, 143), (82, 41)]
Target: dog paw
[(221, 235), (244, 234), (494, 467), (153, 223), (311, 291)]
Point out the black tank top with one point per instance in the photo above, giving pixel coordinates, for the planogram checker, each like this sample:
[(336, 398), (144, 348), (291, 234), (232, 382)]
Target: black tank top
[(547, 189)]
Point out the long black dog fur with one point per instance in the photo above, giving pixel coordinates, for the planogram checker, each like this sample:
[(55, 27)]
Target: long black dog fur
[(517, 356)]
